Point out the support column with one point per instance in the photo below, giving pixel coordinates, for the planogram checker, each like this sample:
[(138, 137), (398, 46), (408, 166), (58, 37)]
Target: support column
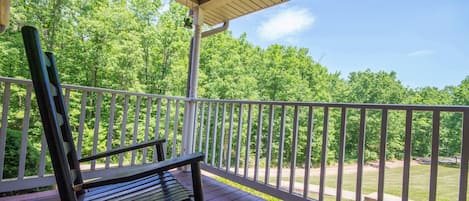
[(190, 105)]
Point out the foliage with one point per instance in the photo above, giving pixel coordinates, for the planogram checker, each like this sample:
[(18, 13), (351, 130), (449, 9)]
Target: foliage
[(12, 155)]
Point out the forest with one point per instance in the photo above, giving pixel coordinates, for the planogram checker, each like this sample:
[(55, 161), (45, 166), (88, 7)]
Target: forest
[(142, 46)]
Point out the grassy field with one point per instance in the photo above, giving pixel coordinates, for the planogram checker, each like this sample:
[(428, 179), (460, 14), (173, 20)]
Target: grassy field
[(447, 184)]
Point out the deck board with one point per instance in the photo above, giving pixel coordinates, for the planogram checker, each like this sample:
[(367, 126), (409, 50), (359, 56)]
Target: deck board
[(213, 190)]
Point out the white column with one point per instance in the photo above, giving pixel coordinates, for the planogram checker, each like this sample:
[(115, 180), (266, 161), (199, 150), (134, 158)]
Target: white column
[(189, 109)]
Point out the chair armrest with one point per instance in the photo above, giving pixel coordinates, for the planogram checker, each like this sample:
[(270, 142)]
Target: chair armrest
[(139, 172), (122, 150)]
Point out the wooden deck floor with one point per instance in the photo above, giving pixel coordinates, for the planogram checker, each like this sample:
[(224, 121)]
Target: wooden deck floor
[(213, 190), (216, 191)]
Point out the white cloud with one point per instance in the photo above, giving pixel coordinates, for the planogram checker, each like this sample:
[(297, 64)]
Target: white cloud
[(286, 23), (421, 53)]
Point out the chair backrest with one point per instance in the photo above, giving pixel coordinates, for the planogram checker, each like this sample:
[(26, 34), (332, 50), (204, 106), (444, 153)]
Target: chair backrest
[(54, 116)]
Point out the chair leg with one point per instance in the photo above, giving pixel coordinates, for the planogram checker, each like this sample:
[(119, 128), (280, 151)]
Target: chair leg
[(197, 182)]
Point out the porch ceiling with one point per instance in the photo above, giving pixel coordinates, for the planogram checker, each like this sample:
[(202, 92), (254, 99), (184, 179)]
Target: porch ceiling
[(219, 11)]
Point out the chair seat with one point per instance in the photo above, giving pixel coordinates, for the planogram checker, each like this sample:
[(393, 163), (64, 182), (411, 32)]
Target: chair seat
[(154, 187)]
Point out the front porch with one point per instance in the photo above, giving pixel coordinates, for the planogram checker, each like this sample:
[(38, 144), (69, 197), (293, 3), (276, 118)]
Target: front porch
[(279, 148)]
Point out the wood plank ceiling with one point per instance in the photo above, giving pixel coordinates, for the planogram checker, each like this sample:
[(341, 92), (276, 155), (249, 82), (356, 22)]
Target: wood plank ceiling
[(219, 11)]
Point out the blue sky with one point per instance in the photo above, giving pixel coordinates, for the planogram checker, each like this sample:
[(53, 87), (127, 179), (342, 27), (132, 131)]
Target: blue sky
[(425, 42)]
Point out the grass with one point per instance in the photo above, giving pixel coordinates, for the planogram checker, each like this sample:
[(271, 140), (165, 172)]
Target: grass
[(447, 184)]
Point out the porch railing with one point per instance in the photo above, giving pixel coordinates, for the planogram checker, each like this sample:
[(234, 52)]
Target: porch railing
[(239, 138), (101, 119), (280, 148)]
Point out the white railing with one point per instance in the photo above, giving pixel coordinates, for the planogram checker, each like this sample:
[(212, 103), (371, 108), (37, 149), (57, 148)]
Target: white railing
[(269, 146), (101, 119)]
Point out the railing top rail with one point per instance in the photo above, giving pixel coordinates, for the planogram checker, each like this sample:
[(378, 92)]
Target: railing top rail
[(15, 80), (443, 108), (113, 91), (93, 89)]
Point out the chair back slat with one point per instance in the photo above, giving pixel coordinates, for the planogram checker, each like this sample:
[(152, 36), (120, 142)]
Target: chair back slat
[(54, 115)]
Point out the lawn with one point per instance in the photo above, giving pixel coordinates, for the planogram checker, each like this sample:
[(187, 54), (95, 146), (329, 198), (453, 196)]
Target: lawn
[(447, 184)]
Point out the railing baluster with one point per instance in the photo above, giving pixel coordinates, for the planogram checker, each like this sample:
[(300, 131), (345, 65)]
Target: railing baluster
[(157, 126), (24, 136), (361, 152), (124, 128), (325, 131), (240, 130), (230, 139), (201, 125), (269, 144), (176, 125), (194, 131), (340, 170), (435, 152), (222, 136), (166, 125), (308, 151), (294, 146), (135, 132), (407, 155), (96, 128), (110, 130), (464, 157), (258, 142), (382, 152), (81, 126), (214, 139), (147, 127), (42, 160), (280, 152), (67, 98), (248, 142), (207, 133)]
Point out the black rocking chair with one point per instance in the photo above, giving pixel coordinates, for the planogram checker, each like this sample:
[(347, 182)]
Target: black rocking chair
[(149, 182)]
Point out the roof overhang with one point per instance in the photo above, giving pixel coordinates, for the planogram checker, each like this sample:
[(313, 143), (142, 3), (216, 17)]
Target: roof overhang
[(219, 11)]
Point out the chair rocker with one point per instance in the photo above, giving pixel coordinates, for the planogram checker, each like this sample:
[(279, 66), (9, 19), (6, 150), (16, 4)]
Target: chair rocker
[(149, 182)]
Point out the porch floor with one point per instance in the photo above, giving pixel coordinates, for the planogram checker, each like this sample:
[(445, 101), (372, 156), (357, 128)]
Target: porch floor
[(213, 190)]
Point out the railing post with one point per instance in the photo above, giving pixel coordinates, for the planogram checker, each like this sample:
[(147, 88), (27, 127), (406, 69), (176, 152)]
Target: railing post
[(435, 153), (407, 155), (382, 152), (464, 157)]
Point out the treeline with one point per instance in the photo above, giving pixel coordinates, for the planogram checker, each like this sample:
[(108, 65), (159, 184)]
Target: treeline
[(140, 45)]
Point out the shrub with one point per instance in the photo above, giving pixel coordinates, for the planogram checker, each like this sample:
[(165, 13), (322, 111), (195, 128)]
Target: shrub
[(12, 155)]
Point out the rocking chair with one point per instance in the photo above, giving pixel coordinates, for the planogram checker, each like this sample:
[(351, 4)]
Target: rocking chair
[(149, 182)]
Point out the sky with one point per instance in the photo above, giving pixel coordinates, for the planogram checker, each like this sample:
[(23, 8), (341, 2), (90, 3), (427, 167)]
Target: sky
[(426, 42)]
